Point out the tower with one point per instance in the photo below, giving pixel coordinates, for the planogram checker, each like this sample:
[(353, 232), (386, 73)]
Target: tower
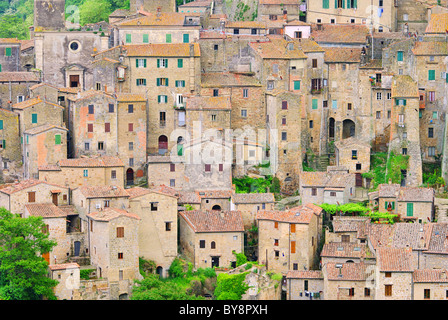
[(49, 15), (153, 5)]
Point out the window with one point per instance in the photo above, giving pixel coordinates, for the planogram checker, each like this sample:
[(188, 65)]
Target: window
[(431, 96), (154, 206), (107, 127), (435, 115), (409, 209), (430, 132), (1, 124), (349, 106), (431, 74), (431, 151), (120, 255), (314, 103), (32, 196), (180, 63), (276, 242), (388, 274), (90, 127), (34, 118), (172, 183), (186, 38), (284, 105), (275, 224), (113, 174), (215, 92), (332, 193), (180, 83), (400, 56), (314, 191), (140, 63), (404, 151), (202, 244), (86, 146), (236, 31), (208, 168), (162, 99), (111, 107), (130, 127), (215, 47), (167, 226), (221, 167), (388, 290), (57, 139), (100, 145), (379, 96), (168, 38), (162, 63), (378, 114), (120, 232), (213, 117), (131, 162), (293, 247), (354, 154), (131, 146), (345, 238), (366, 292), (275, 68), (245, 93), (297, 85), (128, 38), (272, 17), (314, 63), (85, 173), (284, 136), (91, 109), (130, 108), (145, 38), (427, 294), (284, 121), (8, 52), (172, 167), (141, 82), (270, 85), (351, 292)]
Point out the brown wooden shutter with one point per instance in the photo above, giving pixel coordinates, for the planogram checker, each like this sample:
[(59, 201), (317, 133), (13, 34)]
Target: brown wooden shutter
[(32, 196), (293, 228), (293, 247)]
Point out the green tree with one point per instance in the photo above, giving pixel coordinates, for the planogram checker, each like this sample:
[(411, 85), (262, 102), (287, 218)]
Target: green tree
[(23, 271), (12, 26), (231, 286), (92, 11)]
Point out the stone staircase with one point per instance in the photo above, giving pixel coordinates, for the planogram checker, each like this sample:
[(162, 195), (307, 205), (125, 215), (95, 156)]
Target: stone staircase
[(322, 163), (441, 210)]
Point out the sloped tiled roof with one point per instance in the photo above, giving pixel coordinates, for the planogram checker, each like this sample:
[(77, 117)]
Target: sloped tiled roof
[(43, 128), (332, 179), (403, 86), (438, 23), (32, 102), (347, 224), (228, 79), (394, 259), (343, 34), (388, 190), (430, 48), (253, 198), (210, 103), (18, 77), (351, 142), (438, 242), (406, 194), (277, 48), (104, 161), (430, 275), (301, 214), (348, 271), (24, 184), (344, 250), (345, 55), (171, 19), (45, 210), (103, 192), (109, 214), (63, 266), (214, 221)]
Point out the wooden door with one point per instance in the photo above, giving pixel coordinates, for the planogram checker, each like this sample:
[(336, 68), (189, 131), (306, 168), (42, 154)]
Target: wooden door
[(74, 81), (55, 199)]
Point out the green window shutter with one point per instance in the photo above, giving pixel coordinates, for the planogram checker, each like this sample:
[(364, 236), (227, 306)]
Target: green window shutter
[(167, 82), (400, 56), (296, 85), (355, 4), (314, 103), (34, 118), (128, 38), (1, 70), (158, 63), (4, 144), (137, 82), (136, 63), (386, 204), (180, 63), (326, 4), (145, 38), (404, 102), (410, 209), (348, 4), (168, 38), (1, 124), (335, 4), (57, 139), (144, 63), (158, 82), (431, 74), (186, 38), (86, 173), (180, 150), (393, 205), (144, 82), (158, 99), (8, 52)]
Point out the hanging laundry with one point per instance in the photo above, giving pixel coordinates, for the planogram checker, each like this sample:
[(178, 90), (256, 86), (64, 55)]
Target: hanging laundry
[(380, 12)]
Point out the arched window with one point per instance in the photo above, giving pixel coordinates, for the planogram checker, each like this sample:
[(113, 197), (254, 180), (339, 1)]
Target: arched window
[(213, 245)]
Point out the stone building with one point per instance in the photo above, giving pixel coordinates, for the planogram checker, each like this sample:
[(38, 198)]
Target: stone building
[(210, 238), (85, 172), (10, 55), (114, 249), (36, 112), (173, 172), (68, 277), (280, 10), (15, 86), (11, 152), (158, 235), (430, 284), (250, 203), (353, 154), (381, 16), (87, 199), (14, 197), (55, 220), (158, 28), (345, 252), (288, 240), (304, 285), (327, 187), (410, 203)]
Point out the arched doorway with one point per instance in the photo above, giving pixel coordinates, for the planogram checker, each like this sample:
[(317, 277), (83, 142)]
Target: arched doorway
[(348, 129), (159, 271), (163, 144), (130, 177), (216, 207), (331, 129)]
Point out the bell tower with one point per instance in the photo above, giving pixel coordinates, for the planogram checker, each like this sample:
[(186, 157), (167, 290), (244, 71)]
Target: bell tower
[(49, 15)]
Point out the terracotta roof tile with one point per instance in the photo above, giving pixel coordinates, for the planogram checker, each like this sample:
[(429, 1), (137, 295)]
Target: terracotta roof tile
[(308, 274), (130, 97), (278, 48), (346, 55), (109, 214), (18, 77), (63, 266), (45, 210), (173, 19), (32, 102), (430, 48), (332, 33), (332, 179), (430, 275), (43, 128), (162, 50), (394, 259), (438, 242), (438, 23), (210, 103), (213, 221), (24, 184), (103, 192), (348, 224), (228, 79), (301, 214), (345, 250), (348, 271)]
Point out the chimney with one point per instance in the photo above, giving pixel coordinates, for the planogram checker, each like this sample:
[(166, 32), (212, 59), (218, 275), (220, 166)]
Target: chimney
[(443, 275)]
